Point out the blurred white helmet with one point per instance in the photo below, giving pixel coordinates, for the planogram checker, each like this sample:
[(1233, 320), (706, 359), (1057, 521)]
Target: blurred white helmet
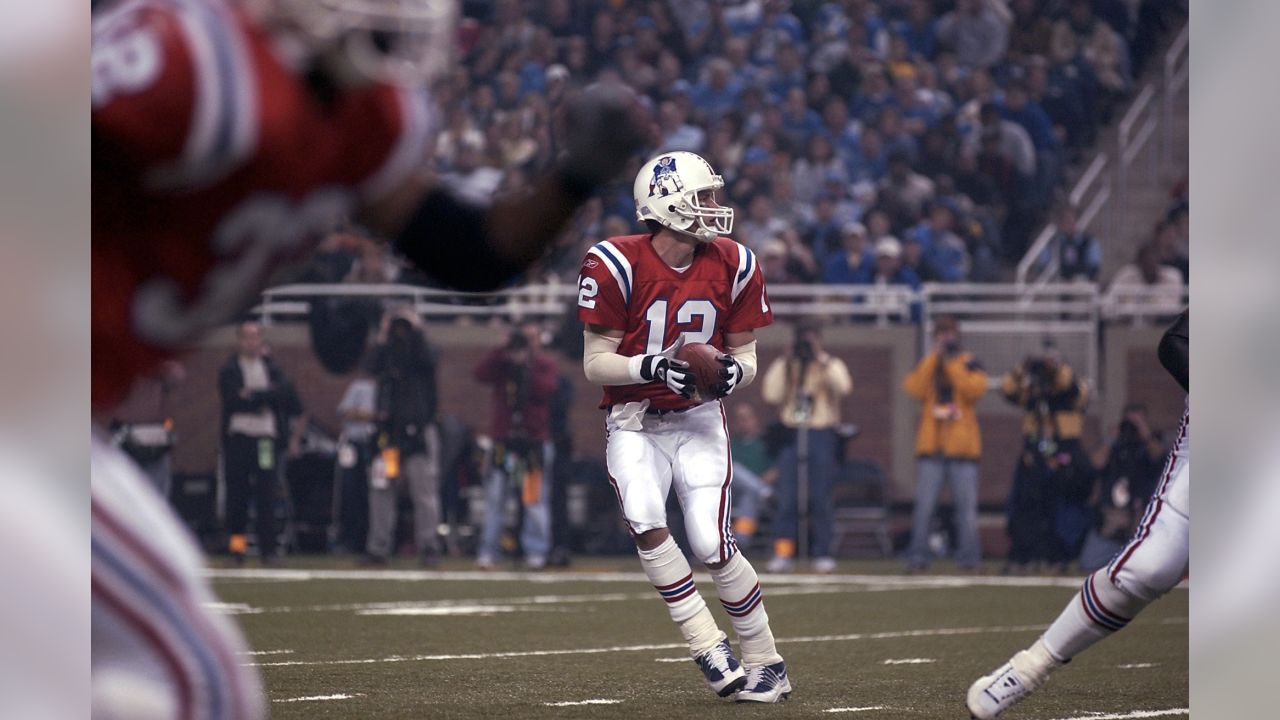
[(402, 42), (666, 191)]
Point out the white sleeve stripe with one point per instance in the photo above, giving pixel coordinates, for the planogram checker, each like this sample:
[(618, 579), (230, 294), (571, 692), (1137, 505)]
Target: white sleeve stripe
[(224, 118), (614, 270), (746, 264), (613, 255), (410, 149)]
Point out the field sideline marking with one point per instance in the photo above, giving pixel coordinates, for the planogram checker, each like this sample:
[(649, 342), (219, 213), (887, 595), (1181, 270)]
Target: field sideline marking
[(885, 635), (951, 581), (855, 709), (1133, 715), (571, 703), (424, 606), (311, 698)]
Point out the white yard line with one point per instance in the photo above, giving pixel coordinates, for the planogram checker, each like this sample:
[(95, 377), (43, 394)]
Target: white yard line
[(1135, 666), (910, 661), (549, 578), (672, 660), (314, 698), (266, 652), (1135, 715), (855, 709), (571, 703), (934, 632)]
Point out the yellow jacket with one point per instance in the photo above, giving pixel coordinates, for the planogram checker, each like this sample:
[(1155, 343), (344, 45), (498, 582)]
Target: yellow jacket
[(1064, 403), (949, 429)]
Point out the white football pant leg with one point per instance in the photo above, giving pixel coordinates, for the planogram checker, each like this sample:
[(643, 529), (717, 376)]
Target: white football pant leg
[(640, 472), (701, 474)]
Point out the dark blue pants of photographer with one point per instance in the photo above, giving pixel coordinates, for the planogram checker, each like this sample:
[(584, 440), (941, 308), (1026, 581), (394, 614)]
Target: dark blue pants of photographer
[(931, 472), (822, 470)]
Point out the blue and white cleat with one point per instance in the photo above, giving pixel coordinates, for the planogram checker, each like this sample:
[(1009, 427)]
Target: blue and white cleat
[(721, 669), (766, 684)]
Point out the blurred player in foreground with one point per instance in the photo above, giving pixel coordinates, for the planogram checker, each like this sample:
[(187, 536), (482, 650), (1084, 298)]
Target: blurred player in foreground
[(1154, 561), (227, 139), (641, 298)]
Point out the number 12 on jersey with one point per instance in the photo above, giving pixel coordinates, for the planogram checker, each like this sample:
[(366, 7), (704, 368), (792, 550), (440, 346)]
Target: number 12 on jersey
[(689, 312)]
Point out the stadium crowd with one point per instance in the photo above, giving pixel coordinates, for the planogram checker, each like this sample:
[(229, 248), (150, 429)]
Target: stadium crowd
[(943, 126)]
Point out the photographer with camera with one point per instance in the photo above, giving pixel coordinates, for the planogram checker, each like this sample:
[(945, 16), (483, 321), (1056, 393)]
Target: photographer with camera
[(1128, 469), (807, 384), (948, 382), (408, 442), (524, 380), (1047, 508)]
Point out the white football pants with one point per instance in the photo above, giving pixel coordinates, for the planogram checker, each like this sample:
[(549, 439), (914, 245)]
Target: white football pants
[(649, 454)]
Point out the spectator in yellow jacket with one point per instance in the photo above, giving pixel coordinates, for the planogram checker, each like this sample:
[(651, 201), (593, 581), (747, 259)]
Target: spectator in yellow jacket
[(948, 382)]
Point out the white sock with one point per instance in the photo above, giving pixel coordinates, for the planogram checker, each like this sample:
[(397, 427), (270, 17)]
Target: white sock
[(669, 571), (1097, 611), (739, 590)]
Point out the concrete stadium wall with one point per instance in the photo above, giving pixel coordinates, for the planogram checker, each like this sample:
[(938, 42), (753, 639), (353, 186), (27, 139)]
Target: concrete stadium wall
[(878, 359)]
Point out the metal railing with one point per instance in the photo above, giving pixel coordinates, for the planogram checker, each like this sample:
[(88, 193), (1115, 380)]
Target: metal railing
[(1177, 71), (1136, 129)]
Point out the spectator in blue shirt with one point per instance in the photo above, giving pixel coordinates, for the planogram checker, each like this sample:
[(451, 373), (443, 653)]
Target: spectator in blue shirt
[(942, 248), (718, 93), (919, 29), (873, 93), (1079, 255), (822, 233), (852, 261), (871, 161), (888, 268), (799, 121)]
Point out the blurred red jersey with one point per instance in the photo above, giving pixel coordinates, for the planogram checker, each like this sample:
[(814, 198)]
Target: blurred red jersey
[(216, 165), (625, 286)]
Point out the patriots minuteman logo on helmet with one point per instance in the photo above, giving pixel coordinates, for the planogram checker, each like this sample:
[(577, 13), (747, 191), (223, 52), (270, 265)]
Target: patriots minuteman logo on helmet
[(665, 180)]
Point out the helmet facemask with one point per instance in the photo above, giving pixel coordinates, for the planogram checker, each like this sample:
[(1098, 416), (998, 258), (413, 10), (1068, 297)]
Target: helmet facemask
[(706, 221)]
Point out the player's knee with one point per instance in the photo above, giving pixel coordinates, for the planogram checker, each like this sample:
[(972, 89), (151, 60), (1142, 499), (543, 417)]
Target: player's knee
[(651, 539), (706, 549)]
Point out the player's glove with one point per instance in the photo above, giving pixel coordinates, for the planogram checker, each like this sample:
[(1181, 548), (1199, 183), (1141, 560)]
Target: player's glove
[(601, 131), (675, 373), (730, 375)]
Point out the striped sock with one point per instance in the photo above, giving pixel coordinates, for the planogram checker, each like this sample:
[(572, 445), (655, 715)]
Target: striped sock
[(739, 590), (669, 571), (1097, 611)]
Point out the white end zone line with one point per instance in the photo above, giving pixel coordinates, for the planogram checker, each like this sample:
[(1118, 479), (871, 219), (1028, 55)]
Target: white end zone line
[(909, 661), (571, 703), (855, 709), (265, 652), (316, 698)]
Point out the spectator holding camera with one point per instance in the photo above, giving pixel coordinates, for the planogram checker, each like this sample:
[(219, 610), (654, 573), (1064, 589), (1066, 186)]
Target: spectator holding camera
[(261, 416), (408, 442), (948, 382), (1128, 469), (1047, 508), (524, 380), (807, 385)]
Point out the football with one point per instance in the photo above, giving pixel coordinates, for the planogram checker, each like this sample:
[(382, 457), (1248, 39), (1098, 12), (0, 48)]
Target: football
[(704, 364)]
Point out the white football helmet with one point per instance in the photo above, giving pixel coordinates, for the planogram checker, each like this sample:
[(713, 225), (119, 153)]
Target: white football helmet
[(666, 191), (402, 42)]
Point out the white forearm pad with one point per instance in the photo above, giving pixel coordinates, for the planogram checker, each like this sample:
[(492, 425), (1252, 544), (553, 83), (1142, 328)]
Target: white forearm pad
[(604, 366), (746, 357)]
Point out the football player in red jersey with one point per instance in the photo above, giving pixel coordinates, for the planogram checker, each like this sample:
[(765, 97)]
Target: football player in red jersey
[(641, 298), (228, 136)]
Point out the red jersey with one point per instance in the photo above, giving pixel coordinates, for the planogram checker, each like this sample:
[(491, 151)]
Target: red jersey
[(625, 286), (215, 165)]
